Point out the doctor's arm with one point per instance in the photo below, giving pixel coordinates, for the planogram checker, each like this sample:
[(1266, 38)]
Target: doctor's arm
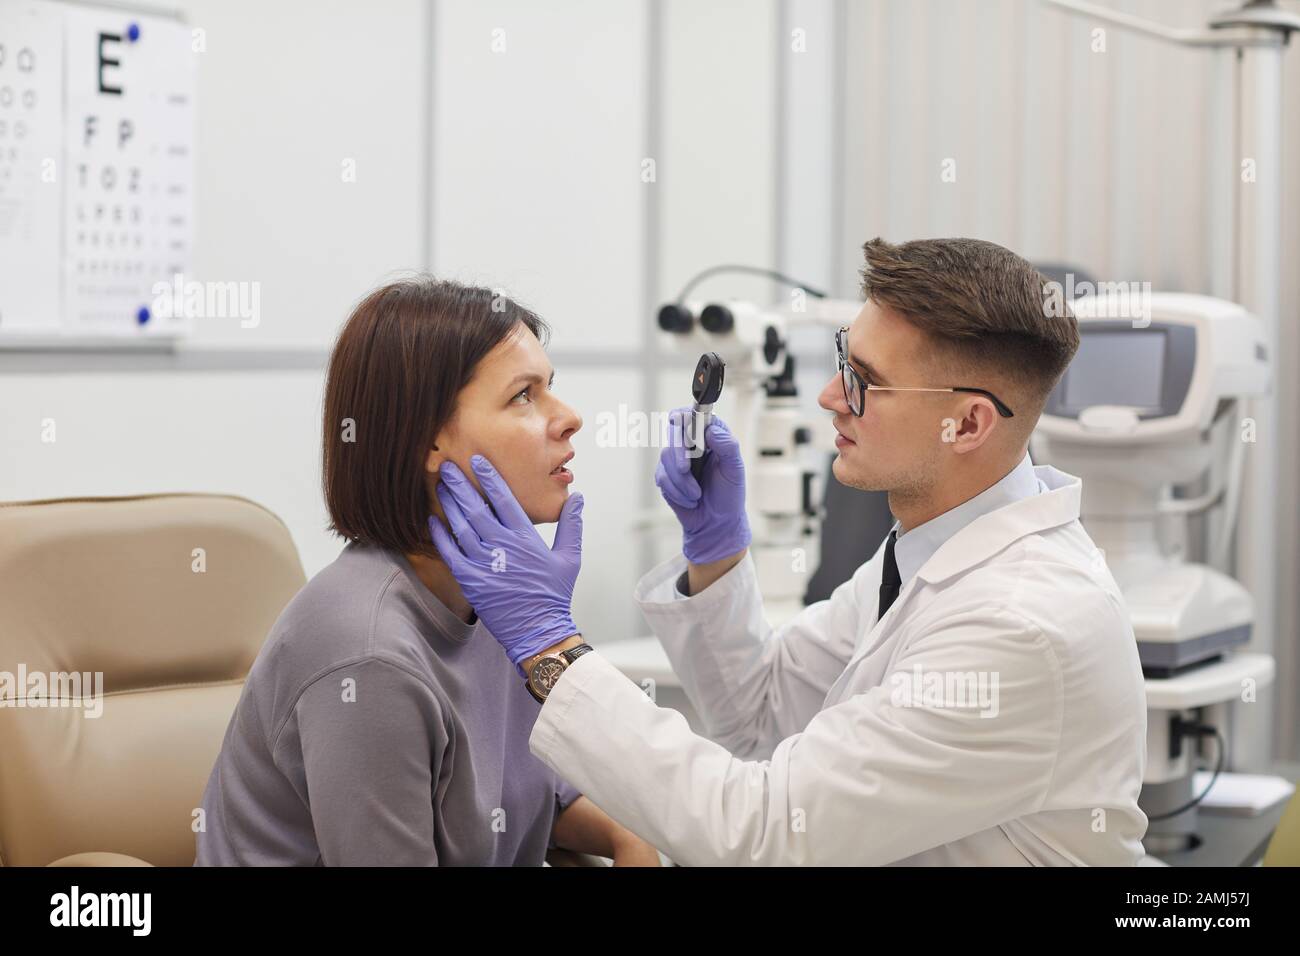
[(879, 777), (582, 827), (754, 685), (751, 686), (700, 576)]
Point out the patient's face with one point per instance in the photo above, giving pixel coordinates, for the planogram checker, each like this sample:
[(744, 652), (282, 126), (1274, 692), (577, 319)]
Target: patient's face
[(508, 414)]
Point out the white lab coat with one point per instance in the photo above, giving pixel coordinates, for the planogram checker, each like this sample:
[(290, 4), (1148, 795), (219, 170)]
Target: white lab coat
[(825, 755)]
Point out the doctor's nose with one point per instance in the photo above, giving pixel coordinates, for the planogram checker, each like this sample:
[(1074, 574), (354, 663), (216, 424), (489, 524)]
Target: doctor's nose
[(832, 397)]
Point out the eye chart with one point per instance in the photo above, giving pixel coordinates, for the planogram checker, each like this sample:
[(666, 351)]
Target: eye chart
[(123, 138), (31, 143)]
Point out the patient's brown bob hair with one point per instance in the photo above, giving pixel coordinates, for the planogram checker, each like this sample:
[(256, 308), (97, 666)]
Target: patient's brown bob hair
[(399, 362)]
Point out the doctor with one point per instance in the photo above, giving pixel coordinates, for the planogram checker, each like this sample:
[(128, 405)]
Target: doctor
[(972, 695)]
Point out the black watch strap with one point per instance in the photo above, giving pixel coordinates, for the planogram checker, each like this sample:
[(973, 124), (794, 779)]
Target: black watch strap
[(573, 653)]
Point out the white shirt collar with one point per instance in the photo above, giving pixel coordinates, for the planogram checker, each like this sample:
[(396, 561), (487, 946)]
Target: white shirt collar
[(913, 548)]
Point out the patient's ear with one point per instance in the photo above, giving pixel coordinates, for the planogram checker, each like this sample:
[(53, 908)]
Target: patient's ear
[(434, 459)]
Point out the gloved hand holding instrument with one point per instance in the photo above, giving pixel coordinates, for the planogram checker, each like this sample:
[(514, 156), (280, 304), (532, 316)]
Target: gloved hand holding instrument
[(705, 487)]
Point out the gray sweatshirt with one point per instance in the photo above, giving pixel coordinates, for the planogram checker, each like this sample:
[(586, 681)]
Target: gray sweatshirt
[(378, 728)]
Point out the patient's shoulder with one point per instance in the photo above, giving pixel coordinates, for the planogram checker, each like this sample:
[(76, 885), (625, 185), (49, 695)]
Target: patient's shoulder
[(331, 618)]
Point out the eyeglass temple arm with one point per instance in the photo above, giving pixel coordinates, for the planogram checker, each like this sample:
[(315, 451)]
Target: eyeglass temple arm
[(1003, 410)]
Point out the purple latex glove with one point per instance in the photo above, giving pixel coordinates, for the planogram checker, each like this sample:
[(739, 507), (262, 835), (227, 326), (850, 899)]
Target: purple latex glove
[(520, 587), (713, 519)]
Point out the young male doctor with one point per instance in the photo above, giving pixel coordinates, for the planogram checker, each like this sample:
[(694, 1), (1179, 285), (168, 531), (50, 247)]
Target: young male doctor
[(972, 695)]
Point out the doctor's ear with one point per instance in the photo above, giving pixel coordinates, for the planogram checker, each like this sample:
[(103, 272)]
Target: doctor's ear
[(978, 420)]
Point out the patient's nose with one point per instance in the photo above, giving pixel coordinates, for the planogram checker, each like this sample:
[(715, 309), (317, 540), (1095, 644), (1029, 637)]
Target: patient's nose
[(567, 420)]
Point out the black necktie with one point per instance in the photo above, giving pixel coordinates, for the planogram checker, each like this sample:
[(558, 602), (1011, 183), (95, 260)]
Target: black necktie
[(889, 580)]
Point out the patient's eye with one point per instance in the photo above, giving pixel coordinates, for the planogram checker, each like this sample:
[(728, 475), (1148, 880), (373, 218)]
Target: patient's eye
[(526, 392)]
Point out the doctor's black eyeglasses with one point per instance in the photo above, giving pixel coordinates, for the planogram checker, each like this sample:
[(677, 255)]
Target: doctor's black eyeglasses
[(855, 387)]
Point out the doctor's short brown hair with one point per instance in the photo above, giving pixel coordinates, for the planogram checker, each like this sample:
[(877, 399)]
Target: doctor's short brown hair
[(983, 307), (399, 362)]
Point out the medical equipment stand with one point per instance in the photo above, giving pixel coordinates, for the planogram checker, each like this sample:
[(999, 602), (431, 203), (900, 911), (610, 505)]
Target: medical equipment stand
[(1245, 254)]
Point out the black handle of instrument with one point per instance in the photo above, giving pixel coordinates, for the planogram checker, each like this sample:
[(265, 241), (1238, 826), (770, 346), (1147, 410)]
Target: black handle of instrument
[(706, 387), (697, 464)]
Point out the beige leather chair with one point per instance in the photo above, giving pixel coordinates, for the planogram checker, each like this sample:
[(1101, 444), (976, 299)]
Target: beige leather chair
[(1284, 845), (109, 585)]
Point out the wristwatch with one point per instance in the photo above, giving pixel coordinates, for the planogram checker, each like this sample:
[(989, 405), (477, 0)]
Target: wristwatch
[(546, 670)]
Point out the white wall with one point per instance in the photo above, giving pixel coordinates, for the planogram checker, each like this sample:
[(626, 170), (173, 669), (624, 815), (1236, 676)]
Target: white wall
[(286, 93)]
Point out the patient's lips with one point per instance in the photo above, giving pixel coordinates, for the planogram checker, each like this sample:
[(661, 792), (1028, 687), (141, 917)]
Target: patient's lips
[(560, 473)]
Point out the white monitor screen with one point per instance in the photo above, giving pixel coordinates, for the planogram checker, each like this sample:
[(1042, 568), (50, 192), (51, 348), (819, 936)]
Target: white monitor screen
[(1117, 368)]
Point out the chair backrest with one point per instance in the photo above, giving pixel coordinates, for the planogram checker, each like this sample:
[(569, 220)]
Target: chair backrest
[(1284, 845), (127, 628)]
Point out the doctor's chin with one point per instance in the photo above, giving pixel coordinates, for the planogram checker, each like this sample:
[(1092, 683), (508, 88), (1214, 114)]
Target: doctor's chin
[(548, 435)]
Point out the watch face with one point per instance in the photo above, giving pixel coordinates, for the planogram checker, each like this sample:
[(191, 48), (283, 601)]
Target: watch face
[(546, 672)]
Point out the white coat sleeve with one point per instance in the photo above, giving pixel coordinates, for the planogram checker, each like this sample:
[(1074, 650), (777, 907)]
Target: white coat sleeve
[(874, 779), (751, 685)]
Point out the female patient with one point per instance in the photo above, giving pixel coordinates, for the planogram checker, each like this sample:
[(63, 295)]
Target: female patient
[(381, 723)]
